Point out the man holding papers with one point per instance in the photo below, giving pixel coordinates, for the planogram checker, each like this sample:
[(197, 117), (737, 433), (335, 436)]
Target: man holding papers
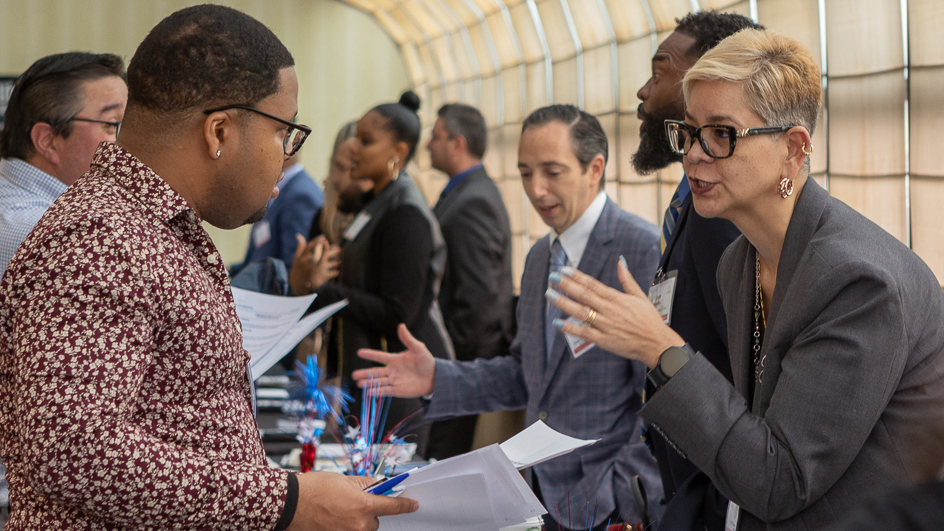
[(574, 387), (124, 395)]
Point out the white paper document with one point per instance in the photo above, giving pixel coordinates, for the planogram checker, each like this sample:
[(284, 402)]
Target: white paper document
[(271, 325), (466, 490), (539, 443)]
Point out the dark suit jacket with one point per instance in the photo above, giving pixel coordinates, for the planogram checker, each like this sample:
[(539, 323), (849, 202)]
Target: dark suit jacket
[(595, 396), (852, 397), (476, 292), (693, 251)]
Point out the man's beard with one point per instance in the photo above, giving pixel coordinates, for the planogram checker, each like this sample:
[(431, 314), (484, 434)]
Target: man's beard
[(257, 216), (654, 152)]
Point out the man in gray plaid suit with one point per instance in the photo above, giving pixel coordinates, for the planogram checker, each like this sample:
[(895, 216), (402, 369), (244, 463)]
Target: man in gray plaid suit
[(576, 388)]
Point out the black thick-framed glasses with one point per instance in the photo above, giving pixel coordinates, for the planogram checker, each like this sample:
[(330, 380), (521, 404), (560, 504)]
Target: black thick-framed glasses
[(116, 125), (717, 141), (295, 137)]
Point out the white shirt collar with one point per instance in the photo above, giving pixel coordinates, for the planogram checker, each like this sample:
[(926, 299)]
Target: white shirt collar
[(574, 239)]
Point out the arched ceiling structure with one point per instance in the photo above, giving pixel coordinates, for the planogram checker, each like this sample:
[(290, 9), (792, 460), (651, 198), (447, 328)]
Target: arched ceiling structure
[(882, 63)]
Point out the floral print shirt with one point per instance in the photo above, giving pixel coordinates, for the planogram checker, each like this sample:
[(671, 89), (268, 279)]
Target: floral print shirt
[(124, 397)]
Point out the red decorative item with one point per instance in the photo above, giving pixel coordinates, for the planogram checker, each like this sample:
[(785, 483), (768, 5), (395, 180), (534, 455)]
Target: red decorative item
[(309, 454)]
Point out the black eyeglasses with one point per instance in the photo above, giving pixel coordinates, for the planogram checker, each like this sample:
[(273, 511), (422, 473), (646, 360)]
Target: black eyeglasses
[(717, 141), (295, 137), (116, 125)]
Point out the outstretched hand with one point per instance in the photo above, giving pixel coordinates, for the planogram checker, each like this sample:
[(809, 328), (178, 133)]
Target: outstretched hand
[(625, 323), (407, 375), (331, 502)]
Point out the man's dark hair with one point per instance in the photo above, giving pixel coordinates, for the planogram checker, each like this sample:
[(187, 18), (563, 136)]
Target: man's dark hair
[(586, 133), (708, 28), (205, 56), (466, 121), (50, 91), (403, 121)]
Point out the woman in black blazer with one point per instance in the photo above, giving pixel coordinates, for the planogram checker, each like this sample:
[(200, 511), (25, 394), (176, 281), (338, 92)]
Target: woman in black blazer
[(834, 327)]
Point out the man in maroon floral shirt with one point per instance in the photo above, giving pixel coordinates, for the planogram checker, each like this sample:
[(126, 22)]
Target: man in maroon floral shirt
[(124, 399)]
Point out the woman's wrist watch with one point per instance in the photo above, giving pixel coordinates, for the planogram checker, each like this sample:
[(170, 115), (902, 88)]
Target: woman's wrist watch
[(670, 362)]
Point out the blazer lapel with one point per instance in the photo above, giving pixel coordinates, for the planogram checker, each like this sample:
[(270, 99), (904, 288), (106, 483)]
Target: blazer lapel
[(594, 257), (444, 203)]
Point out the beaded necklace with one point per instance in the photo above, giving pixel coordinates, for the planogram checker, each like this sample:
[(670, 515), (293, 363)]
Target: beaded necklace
[(759, 318)]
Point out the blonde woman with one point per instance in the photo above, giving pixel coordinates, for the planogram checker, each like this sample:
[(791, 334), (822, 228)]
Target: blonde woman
[(834, 327)]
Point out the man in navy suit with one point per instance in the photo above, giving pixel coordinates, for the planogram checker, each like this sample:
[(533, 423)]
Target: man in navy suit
[(574, 387), (291, 213), (692, 248)]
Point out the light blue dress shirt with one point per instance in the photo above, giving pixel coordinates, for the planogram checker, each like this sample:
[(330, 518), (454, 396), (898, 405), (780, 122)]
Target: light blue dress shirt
[(25, 194)]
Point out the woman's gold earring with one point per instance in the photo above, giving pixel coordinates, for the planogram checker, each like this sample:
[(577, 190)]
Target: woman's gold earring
[(805, 152), (786, 187), (391, 167)]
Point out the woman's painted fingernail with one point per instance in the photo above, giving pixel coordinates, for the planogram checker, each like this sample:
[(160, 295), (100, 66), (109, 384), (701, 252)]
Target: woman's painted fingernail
[(623, 261), (551, 294), (567, 270), (559, 323), (554, 277)]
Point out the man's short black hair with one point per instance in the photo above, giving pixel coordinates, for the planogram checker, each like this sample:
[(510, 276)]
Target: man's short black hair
[(708, 28), (466, 121), (205, 56), (586, 133), (50, 91)]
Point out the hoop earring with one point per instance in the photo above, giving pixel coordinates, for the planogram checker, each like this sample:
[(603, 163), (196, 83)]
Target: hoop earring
[(805, 152), (218, 151), (391, 167), (786, 187)]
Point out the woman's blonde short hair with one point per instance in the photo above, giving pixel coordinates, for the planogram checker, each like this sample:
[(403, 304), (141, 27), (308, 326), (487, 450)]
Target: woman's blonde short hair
[(781, 80)]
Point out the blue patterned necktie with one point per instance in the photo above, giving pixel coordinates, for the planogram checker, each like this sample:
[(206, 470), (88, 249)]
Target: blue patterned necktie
[(558, 261), (672, 212)]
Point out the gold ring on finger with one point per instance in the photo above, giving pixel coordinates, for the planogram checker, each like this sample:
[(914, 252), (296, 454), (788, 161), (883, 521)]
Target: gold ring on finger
[(591, 316)]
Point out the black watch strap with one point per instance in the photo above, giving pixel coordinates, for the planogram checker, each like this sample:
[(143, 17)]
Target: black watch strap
[(670, 362)]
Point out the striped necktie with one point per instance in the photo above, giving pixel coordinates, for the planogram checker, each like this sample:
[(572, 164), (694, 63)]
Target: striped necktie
[(672, 212), (557, 262)]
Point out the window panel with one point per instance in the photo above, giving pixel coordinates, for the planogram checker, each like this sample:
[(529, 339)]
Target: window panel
[(490, 104), (412, 30), (591, 27), (608, 122), (511, 133), (433, 75), (927, 115), (394, 29), (422, 18), (927, 218), (727, 6), (666, 11), (863, 36), (555, 27), (635, 68), (565, 81), (439, 14), (504, 41), (527, 34), (464, 67), (467, 93), (478, 37), (640, 199), (866, 125), (452, 93), (925, 19), (413, 63), (511, 81), (819, 157), (629, 143), (537, 87), (445, 59), (436, 98), (598, 80), (628, 18), (798, 19), (465, 13), (513, 194), (493, 157), (488, 6), (881, 199)]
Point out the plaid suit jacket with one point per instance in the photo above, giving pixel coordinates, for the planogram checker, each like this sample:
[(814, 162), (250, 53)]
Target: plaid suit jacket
[(595, 396)]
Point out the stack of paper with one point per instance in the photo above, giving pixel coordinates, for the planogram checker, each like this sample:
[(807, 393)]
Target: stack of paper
[(271, 325), (481, 490)]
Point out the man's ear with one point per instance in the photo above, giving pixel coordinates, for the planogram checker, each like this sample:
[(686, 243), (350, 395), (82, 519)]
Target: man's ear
[(597, 167), (44, 142), (217, 132), (461, 145)]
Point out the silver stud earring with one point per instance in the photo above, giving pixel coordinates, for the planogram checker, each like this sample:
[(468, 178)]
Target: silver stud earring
[(218, 151)]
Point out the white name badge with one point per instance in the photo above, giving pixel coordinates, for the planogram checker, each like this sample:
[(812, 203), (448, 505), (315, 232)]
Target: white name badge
[(662, 295), (734, 514), (261, 233), (356, 226), (578, 346)]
